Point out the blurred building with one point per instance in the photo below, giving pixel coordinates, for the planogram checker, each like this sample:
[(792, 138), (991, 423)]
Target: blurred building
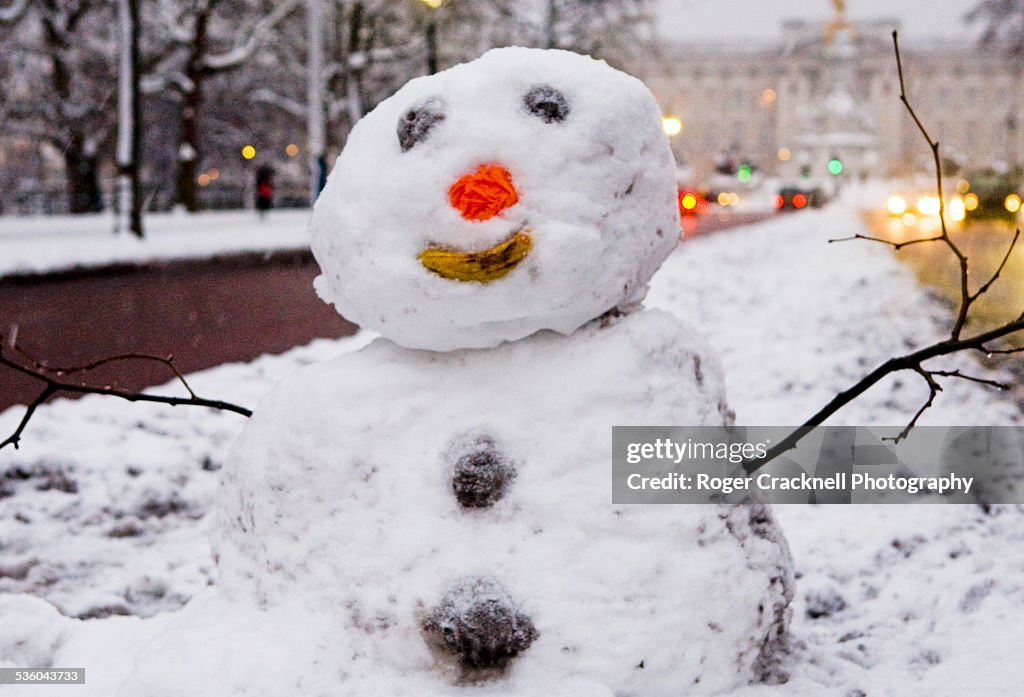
[(825, 94)]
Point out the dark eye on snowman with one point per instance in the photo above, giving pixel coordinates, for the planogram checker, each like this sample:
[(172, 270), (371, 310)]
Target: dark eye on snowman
[(417, 123), (547, 104)]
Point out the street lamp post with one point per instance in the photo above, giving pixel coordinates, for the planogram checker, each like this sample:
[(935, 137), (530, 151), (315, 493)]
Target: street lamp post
[(432, 34), (316, 128)]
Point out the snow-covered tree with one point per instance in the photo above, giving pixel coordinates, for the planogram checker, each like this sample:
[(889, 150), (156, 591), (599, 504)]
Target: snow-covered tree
[(333, 64), (467, 28), (129, 112), (201, 39), (1003, 21), (59, 85), (611, 29)]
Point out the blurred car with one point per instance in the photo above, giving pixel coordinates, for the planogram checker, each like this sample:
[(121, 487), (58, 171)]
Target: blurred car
[(991, 195), (692, 203), (796, 198), (912, 202)]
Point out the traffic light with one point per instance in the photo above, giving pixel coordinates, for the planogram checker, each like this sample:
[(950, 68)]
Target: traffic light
[(743, 173), (835, 166)]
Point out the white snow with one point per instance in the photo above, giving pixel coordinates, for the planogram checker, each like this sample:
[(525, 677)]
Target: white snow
[(594, 188), (349, 508), (932, 597), (59, 243)]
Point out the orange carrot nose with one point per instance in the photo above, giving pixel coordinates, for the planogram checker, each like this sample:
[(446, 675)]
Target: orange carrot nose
[(483, 194)]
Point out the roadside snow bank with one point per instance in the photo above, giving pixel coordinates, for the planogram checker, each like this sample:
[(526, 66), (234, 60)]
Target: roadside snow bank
[(61, 243)]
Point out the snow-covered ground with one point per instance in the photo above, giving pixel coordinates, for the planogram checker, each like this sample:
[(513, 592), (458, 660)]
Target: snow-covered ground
[(60, 243), (103, 508)]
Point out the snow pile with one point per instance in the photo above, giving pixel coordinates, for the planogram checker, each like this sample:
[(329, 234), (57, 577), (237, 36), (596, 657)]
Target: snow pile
[(590, 182), (62, 243), (103, 509), (890, 600)]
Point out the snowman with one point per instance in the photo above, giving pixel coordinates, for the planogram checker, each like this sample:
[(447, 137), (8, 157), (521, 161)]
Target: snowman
[(432, 515)]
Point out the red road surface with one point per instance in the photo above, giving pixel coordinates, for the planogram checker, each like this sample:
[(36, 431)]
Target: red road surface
[(204, 313)]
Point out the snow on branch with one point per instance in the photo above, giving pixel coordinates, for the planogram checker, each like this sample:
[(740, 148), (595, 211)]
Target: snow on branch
[(13, 12), (54, 383), (266, 96), (915, 361), (243, 51)]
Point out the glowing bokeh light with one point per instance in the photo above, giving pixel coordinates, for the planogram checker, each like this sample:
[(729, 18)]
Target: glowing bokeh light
[(248, 152), (784, 154), (291, 150), (768, 97), (971, 202), (799, 201), (1012, 203), (672, 125), (689, 201), (897, 205), (957, 209), (909, 219), (928, 205), (963, 186)]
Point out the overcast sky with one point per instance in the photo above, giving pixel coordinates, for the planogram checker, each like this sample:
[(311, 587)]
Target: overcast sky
[(727, 19)]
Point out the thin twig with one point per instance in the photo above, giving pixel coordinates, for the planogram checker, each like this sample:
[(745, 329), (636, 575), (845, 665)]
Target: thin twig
[(1000, 352), (168, 361), (965, 296), (895, 245), (1009, 251), (933, 390), (971, 378), (15, 437), (54, 386)]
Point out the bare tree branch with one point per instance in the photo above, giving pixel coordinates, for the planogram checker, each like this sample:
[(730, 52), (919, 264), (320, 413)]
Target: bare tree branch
[(933, 390), (291, 106), (965, 296), (911, 361), (244, 50), (895, 245), (60, 372), (988, 284), (53, 385), (915, 361), (998, 352), (971, 378)]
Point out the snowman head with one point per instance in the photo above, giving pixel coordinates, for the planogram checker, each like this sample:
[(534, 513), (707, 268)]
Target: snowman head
[(526, 190)]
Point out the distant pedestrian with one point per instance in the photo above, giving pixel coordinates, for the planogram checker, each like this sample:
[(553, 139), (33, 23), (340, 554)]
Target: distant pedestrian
[(264, 190)]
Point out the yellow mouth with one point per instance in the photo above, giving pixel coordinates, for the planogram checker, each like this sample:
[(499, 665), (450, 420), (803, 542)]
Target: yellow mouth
[(483, 267)]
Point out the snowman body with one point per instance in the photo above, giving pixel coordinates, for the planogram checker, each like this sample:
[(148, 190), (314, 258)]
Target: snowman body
[(432, 514), (355, 512)]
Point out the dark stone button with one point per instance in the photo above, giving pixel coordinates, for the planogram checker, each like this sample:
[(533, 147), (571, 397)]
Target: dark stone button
[(479, 624), (481, 473)]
